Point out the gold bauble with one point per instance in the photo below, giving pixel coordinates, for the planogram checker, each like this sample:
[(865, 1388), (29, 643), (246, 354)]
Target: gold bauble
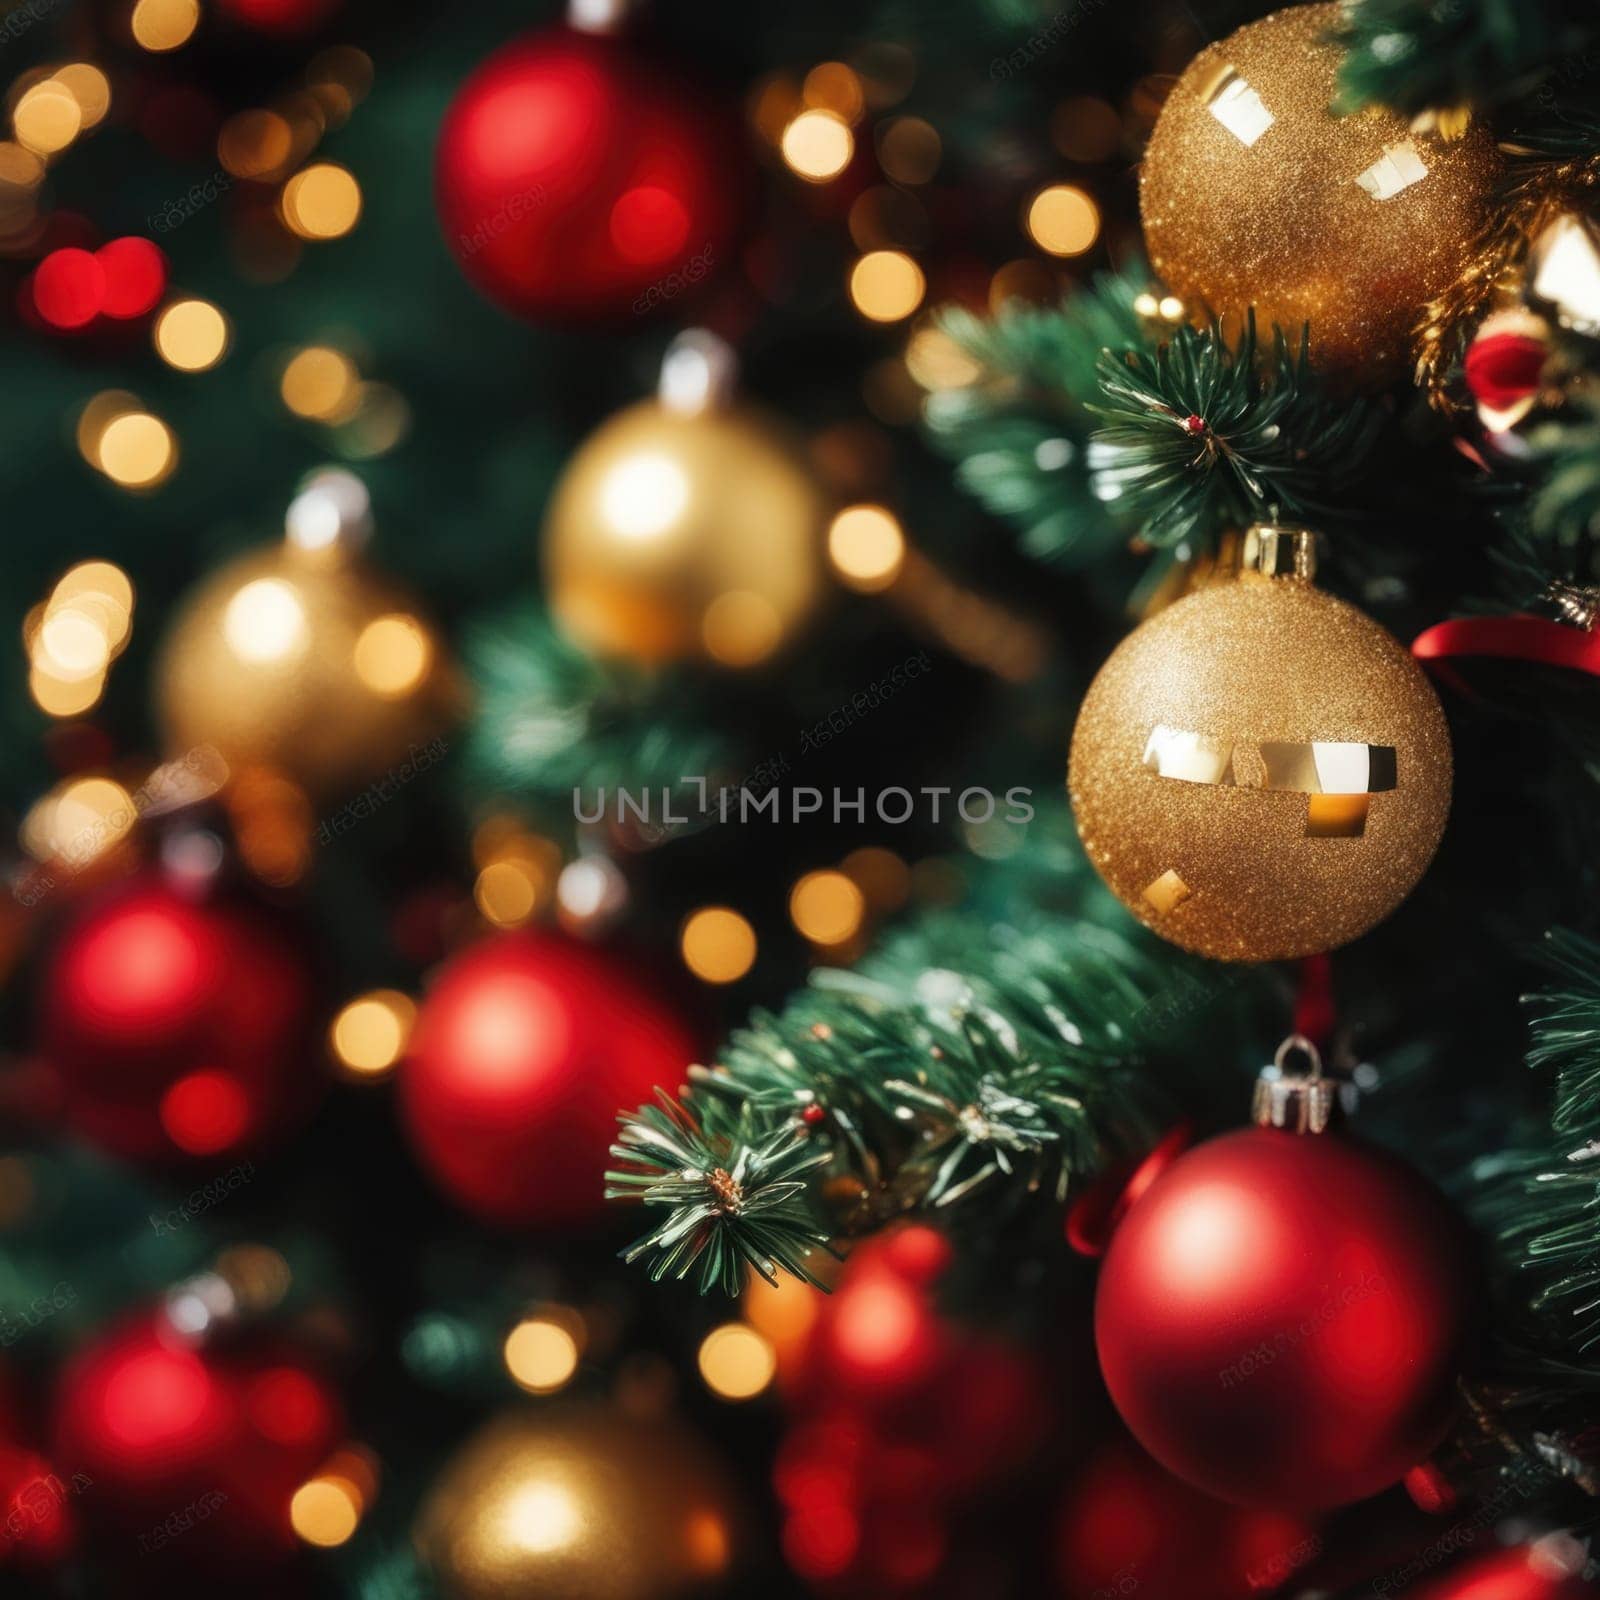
[(676, 536), (578, 1503), (1254, 193), (306, 662), (1260, 771)]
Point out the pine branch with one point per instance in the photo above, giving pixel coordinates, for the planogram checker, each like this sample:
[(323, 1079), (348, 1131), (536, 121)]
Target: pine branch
[(731, 1204), (551, 718), (1565, 506), (1020, 435), (1420, 55), (1201, 435)]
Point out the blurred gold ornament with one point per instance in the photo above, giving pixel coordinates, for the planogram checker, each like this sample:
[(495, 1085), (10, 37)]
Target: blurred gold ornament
[(580, 1502), (1254, 193), (302, 659), (1260, 771), (686, 531)]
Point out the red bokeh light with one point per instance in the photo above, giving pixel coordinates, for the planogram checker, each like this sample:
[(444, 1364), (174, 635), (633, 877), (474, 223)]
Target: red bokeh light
[(135, 276), (206, 1113), (69, 288), (286, 17)]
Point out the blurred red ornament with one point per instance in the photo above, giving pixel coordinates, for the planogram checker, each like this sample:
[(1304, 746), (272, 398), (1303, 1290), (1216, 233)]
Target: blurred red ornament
[(575, 180), (135, 276), (37, 1527), (69, 288), (287, 17), (1128, 1527), (901, 1416), (1549, 1569), (1281, 1318), (176, 1028), (1504, 365), (196, 1448), (525, 1050)]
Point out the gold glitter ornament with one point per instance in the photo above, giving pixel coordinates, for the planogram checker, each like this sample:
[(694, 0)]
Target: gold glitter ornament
[(305, 661), (686, 534), (1254, 193), (1260, 771), (579, 1502)]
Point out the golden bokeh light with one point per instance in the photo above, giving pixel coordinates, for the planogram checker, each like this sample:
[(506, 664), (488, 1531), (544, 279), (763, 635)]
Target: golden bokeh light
[(137, 450), (1063, 220), (392, 655), (255, 144), (784, 1313), (887, 285), (541, 1354), (102, 578), (90, 87), (832, 86), (47, 118), (909, 150), (321, 383), (191, 335), (510, 891), (326, 1511), (322, 202), (86, 817), (827, 907), (72, 644), (866, 547), (161, 25), (258, 1275), (718, 945), (369, 1035), (881, 875), (59, 698), (1028, 279), (97, 415), (379, 419), (938, 363), (818, 145), (736, 1361)]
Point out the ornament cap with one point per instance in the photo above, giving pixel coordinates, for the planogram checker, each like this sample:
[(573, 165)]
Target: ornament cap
[(1280, 551), (1300, 1101)]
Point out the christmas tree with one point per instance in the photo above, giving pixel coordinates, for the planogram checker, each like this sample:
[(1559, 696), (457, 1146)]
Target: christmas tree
[(803, 800)]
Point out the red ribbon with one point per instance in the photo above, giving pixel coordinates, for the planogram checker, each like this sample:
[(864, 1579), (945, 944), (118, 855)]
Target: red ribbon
[(1314, 1014), (1554, 644)]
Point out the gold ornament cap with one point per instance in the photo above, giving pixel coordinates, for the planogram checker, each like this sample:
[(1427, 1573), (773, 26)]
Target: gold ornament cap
[(1274, 550), (1299, 1101)]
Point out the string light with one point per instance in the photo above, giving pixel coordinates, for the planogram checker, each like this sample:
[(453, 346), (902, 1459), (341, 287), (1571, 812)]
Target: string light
[(392, 655), (369, 1035), (736, 1361), (1063, 220), (191, 335), (718, 945), (832, 86), (322, 201), (162, 25), (541, 1353), (137, 450), (320, 383), (90, 87), (827, 908), (255, 144), (47, 118), (887, 285), (818, 145), (508, 892), (866, 547), (326, 1511)]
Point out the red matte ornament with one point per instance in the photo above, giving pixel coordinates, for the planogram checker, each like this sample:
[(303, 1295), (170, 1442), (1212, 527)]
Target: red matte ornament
[(524, 1051), (1280, 1320), (1503, 369), (576, 181), (176, 1028)]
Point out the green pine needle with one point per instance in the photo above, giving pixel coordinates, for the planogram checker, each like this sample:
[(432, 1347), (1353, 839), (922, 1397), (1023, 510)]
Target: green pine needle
[(732, 1205), (1201, 435)]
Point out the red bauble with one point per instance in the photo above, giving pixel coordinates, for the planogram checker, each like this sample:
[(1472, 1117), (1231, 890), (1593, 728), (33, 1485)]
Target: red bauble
[(1281, 1318), (1545, 1571), (573, 179), (1503, 369), (525, 1050), (176, 1028), (193, 1450), (36, 1515), (1127, 1527), (280, 17)]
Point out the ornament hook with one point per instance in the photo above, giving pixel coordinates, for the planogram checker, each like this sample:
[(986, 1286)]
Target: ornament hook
[(1300, 1101)]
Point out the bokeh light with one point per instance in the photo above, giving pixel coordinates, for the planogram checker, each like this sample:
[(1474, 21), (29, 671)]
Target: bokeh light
[(1063, 220), (881, 875), (322, 201), (191, 335), (866, 547), (137, 450), (320, 383), (1087, 129), (909, 150), (90, 87), (392, 655), (69, 288), (161, 25), (369, 1035), (887, 285), (827, 907), (136, 276), (255, 144), (718, 945), (833, 86), (509, 892), (47, 118), (326, 1511), (736, 1361), (541, 1353), (818, 145)]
